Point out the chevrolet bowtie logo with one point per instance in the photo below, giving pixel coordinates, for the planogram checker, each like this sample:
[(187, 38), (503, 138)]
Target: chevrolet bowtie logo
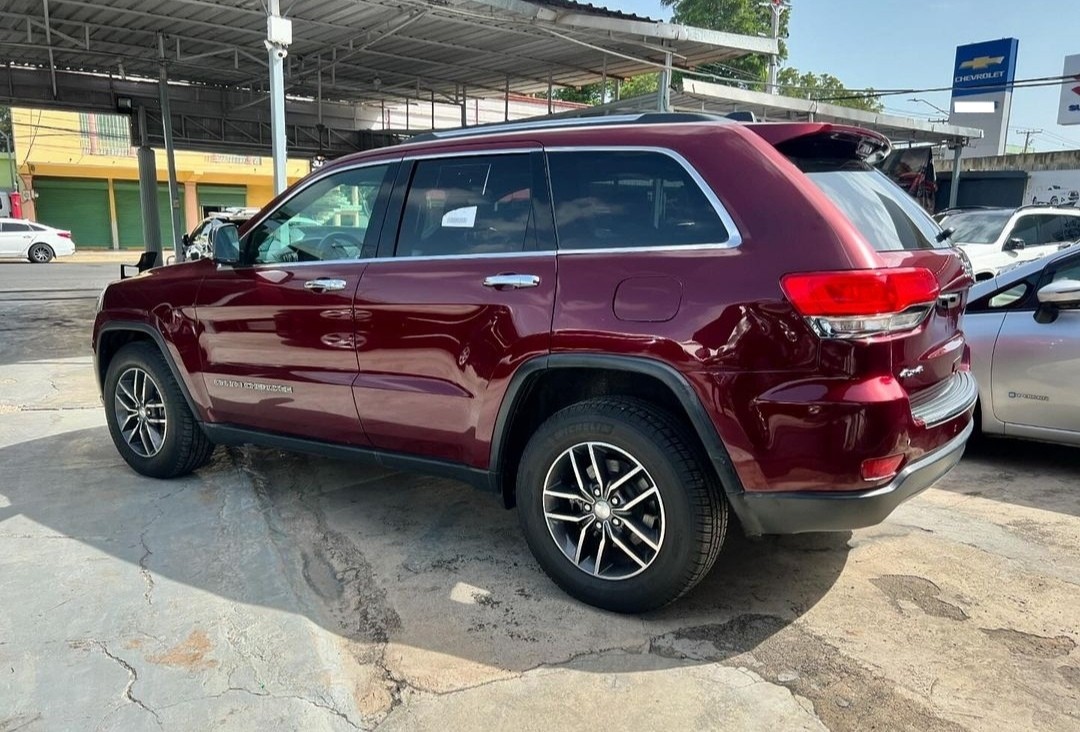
[(982, 62)]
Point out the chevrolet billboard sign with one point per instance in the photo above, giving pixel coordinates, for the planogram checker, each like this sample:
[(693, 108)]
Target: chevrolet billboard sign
[(984, 68)]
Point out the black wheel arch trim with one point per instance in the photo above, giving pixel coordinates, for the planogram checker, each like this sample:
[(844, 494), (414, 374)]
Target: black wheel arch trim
[(667, 375), (159, 341)]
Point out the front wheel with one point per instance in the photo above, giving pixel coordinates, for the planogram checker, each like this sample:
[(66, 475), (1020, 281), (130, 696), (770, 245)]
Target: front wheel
[(149, 419), (40, 254), (618, 506)]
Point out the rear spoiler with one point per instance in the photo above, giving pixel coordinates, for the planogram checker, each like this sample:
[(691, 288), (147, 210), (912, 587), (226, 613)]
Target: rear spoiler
[(823, 140)]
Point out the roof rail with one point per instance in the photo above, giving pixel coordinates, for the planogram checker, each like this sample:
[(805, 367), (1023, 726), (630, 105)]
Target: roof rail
[(645, 118)]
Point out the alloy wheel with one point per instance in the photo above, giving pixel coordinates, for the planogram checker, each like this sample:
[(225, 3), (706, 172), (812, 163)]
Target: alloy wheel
[(604, 511), (140, 412)]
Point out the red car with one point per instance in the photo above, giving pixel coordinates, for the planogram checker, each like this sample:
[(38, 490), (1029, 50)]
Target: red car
[(635, 329)]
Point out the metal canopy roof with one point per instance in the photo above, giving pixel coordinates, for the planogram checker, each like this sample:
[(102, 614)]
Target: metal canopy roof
[(358, 49), (699, 96)]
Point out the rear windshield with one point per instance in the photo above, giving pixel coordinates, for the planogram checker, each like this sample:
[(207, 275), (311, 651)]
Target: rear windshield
[(976, 227), (888, 217)]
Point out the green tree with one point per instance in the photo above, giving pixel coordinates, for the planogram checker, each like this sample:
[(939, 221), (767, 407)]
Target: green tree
[(825, 87), (5, 128)]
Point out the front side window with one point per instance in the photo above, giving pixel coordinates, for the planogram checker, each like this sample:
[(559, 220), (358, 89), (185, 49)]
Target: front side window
[(328, 220), (460, 206), (13, 227), (1026, 230), (607, 199), (976, 227)]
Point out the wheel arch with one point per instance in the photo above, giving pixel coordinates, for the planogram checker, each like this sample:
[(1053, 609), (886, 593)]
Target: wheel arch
[(578, 376), (115, 335)]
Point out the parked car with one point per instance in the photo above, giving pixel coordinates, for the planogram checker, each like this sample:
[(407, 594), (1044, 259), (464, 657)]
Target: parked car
[(998, 237), (36, 242), (635, 329), (1023, 328), (197, 243), (1054, 195)]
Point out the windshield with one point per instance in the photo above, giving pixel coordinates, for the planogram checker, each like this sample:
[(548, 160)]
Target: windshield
[(976, 227), (889, 218)]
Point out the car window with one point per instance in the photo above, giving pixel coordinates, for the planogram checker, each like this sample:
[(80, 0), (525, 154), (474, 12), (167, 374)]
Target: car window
[(468, 205), (1008, 296), (1026, 229), (1069, 270), (614, 198), (1058, 228), (889, 218), (12, 227), (328, 219), (35, 227), (976, 227), (201, 235)]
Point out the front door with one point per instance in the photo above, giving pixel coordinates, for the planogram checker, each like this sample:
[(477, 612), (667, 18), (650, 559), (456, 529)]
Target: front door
[(1034, 374), (15, 237), (277, 331), (460, 296)]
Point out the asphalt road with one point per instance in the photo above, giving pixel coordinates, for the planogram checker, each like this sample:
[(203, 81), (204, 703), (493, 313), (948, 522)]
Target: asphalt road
[(279, 591), (57, 280)]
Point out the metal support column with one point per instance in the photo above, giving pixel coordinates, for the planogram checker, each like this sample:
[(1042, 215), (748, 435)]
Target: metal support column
[(550, 90), (954, 183), (603, 82), (663, 91), (151, 224), (170, 158), (778, 8), (278, 38), (464, 108), (506, 101)]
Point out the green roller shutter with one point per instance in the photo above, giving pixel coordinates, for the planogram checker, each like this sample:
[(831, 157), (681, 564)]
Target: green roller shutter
[(129, 214), (80, 205), (218, 197)]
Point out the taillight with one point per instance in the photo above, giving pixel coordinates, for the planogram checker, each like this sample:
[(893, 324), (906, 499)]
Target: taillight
[(65, 234), (861, 303), (880, 468)]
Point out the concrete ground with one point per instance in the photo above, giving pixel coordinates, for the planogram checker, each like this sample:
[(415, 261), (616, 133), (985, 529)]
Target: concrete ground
[(276, 591)]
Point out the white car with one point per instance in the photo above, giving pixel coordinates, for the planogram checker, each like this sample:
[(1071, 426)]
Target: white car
[(996, 238), (36, 242), (1055, 195)]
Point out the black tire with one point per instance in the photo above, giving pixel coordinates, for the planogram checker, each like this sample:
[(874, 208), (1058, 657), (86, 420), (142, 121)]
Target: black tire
[(694, 510), (40, 253), (185, 447)]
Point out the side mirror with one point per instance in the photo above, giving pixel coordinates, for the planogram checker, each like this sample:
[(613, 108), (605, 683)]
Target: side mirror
[(1014, 244), (1062, 293), (226, 242)]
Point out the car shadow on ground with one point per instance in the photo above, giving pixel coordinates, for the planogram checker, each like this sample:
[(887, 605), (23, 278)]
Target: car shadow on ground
[(431, 567), (1020, 472)]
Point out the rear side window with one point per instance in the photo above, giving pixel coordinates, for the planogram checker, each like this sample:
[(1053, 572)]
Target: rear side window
[(613, 199), (889, 218), (468, 205)]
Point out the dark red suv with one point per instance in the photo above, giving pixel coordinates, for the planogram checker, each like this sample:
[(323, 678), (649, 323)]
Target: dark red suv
[(630, 327)]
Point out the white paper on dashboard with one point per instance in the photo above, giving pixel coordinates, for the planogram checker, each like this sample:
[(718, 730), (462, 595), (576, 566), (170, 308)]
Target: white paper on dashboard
[(460, 218)]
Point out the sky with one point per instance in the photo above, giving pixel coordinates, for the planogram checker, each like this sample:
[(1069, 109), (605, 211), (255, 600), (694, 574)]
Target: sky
[(911, 44)]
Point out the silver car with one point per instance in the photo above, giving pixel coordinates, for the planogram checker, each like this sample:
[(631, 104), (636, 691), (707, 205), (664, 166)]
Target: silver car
[(1023, 327)]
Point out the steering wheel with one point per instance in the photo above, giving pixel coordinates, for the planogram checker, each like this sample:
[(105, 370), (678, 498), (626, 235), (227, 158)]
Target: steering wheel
[(336, 245)]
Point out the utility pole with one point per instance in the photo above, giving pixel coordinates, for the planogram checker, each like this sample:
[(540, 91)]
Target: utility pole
[(777, 7), (1028, 134), (278, 40)]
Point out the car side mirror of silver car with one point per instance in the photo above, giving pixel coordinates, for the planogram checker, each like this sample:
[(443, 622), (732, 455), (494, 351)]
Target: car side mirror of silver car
[(1059, 295), (1014, 244), (226, 242)]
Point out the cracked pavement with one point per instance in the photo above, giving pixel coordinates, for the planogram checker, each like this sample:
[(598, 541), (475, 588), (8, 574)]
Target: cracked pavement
[(278, 591)]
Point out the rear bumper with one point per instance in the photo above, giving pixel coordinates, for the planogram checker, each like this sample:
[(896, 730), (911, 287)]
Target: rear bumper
[(801, 512)]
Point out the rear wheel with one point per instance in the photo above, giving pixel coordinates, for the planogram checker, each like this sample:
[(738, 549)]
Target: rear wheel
[(617, 505), (40, 254), (148, 417)]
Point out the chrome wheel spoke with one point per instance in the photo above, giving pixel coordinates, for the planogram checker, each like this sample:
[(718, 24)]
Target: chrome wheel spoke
[(629, 506), (599, 554), (626, 550), (622, 480), (595, 466), (577, 476), (567, 496), (640, 534), (582, 535), (564, 517)]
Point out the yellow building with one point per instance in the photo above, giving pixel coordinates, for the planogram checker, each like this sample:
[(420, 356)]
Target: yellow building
[(82, 175)]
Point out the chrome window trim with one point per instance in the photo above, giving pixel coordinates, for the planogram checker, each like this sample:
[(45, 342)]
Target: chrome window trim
[(474, 152), (734, 235)]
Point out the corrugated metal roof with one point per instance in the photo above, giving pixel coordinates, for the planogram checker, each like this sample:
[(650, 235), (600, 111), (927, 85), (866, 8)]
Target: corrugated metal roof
[(360, 49)]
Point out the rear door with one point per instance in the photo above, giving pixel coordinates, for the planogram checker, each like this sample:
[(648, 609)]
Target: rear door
[(277, 332), (461, 294)]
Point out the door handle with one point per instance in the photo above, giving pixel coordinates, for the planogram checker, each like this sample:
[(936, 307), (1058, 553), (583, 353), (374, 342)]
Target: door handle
[(324, 285), (511, 281)]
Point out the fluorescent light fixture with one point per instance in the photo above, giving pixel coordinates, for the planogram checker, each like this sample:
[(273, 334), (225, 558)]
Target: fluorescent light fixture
[(975, 107)]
